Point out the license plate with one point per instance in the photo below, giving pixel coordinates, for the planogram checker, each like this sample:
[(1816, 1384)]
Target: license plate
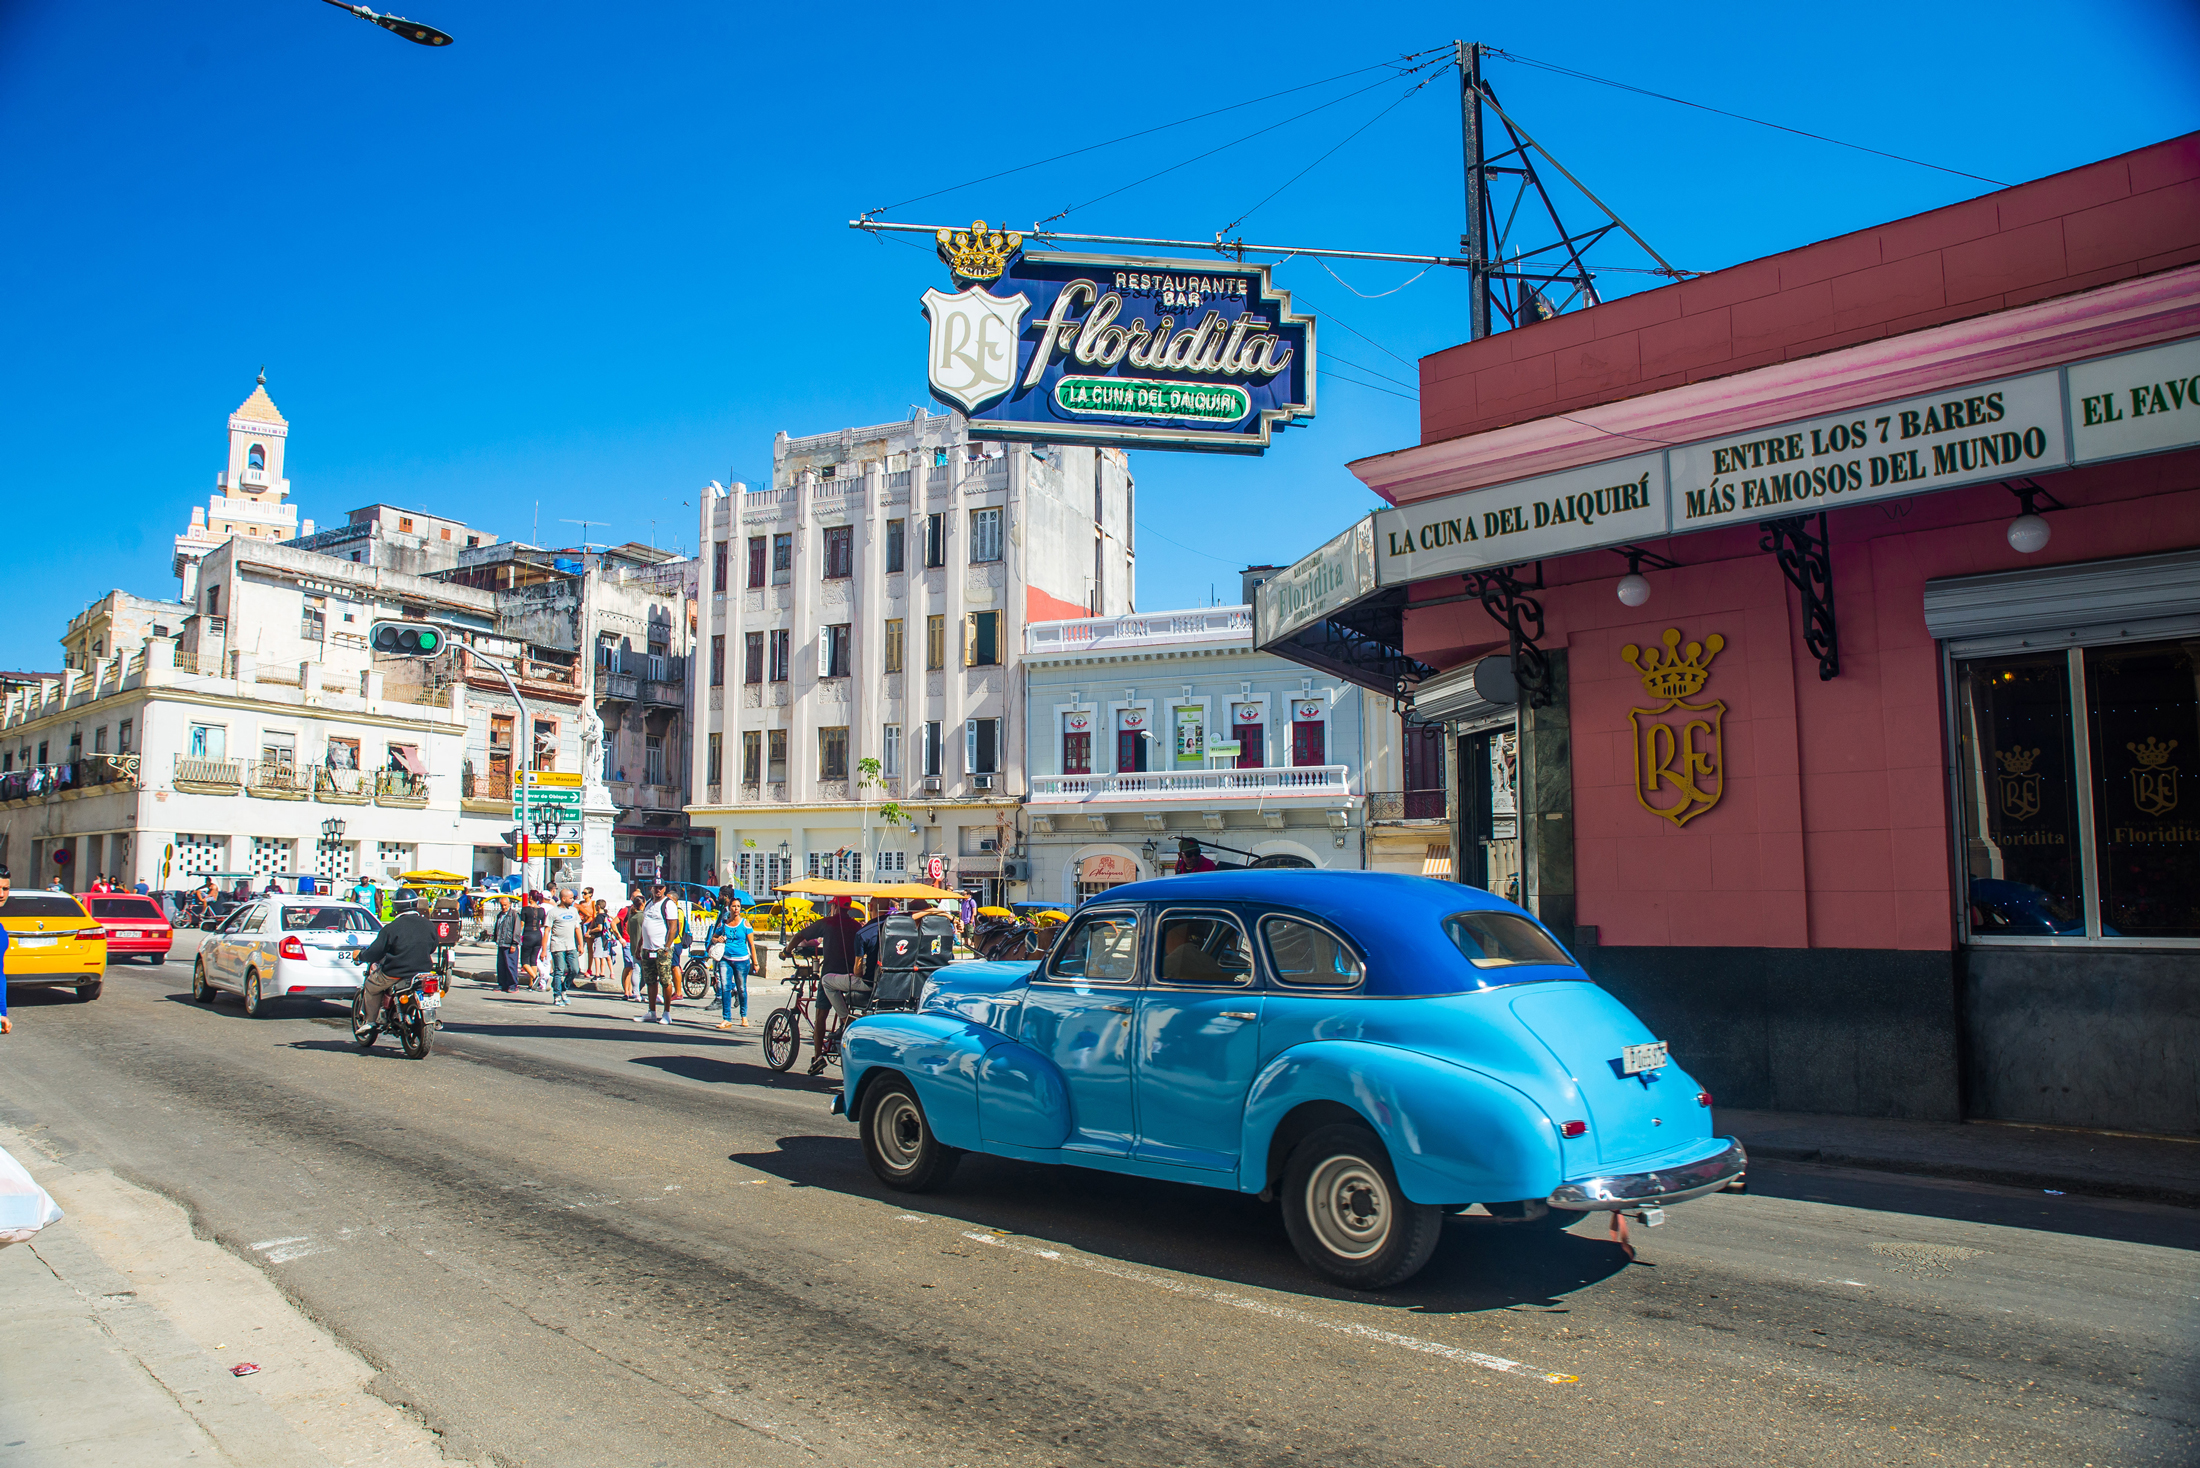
[(1636, 1059), (431, 1002), (36, 942), (128, 935)]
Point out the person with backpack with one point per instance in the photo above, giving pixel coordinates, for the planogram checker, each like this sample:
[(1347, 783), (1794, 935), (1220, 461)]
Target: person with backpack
[(731, 943), (654, 930)]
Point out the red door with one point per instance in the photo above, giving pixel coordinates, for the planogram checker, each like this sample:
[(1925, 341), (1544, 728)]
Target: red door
[(1252, 743), (1130, 751), (1308, 747)]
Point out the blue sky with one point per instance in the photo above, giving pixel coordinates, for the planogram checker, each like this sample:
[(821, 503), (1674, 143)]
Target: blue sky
[(591, 257)]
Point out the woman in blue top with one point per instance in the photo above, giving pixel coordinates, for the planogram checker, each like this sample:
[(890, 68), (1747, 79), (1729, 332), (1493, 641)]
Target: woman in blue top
[(734, 958), (6, 1024)]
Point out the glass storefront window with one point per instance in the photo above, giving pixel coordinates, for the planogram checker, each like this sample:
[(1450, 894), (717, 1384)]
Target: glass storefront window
[(2143, 705), (2069, 769)]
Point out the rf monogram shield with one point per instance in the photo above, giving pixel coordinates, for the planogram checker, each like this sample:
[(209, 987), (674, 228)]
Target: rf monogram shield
[(1680, 761), (973, 357)]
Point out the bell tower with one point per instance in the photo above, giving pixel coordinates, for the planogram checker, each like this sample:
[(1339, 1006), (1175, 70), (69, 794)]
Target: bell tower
[(250, 495)]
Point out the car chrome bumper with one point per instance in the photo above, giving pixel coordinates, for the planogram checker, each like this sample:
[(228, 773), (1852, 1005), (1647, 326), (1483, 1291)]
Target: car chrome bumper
[(1655, 1189)]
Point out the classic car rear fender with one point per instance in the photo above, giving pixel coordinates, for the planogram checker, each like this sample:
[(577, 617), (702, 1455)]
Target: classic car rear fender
[(1455, 1135), (938, 1053)]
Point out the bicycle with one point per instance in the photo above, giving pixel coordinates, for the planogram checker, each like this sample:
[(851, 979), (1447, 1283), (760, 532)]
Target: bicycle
[(783, 1026)]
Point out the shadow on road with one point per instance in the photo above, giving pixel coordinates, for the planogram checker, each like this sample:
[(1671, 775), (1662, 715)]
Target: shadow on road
[(1482, 1265), (2161, 1224)]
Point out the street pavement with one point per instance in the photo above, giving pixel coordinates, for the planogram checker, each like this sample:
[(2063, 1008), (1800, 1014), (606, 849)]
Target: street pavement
[(566, 1238)]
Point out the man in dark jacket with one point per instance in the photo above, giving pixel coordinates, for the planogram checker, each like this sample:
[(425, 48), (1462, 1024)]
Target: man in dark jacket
[(404, 949), (836, 935)]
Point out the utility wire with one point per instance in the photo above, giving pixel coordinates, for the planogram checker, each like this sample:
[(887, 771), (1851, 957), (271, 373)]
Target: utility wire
[(1737, 116), (1371, 387), (1348, 137), (1163, 127), (1363, 367), (1299, 297), (1257, 132)]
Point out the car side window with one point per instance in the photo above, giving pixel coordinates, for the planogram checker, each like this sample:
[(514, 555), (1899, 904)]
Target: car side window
[(1202, 949), (1308, 956), (1101, 948), (243, 920)]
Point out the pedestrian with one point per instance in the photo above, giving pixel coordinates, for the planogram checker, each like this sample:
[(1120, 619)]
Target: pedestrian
[(506, 935), (731, 942), (6, 1025), (623, 946), (532, 919), (562, 945), (144, 888), (651, 928)]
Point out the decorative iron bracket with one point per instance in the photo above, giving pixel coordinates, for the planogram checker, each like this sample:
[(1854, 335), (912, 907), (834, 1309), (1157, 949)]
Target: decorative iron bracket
[(2029, 493), (1806, 559), (1637, 558), (1505, 597)]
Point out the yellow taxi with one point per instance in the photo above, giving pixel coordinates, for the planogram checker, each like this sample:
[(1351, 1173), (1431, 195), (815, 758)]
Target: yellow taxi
[(53, 943)]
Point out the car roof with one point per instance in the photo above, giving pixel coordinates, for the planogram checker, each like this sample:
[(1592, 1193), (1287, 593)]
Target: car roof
[(1395, 919)]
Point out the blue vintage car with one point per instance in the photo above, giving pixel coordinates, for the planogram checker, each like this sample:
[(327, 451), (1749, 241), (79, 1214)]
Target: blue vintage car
[(1373, 1050)]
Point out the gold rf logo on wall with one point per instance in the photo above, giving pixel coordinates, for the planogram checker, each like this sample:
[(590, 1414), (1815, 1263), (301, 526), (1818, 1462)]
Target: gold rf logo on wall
[(1680, 750)]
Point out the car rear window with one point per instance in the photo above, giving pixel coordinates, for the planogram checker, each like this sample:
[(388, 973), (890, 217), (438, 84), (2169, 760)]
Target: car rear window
[(330, 919), (1502, 940), (41, 905), (127, 907)]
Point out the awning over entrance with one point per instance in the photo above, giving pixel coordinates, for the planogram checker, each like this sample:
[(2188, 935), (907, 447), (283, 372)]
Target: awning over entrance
[(1342, 607)]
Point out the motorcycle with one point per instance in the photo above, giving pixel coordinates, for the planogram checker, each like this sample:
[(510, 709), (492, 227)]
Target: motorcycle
[(409, 1011)]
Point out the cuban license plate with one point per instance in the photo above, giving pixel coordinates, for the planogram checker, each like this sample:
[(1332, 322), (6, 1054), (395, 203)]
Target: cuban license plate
[(120, 934), (36, 942), (431, 1002), (1634, 1060)]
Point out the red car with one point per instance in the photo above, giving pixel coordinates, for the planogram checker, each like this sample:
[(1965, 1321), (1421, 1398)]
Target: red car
[(137, 927)]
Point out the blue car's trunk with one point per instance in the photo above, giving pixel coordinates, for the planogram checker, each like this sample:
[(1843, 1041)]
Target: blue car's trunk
[(1629, 1117)]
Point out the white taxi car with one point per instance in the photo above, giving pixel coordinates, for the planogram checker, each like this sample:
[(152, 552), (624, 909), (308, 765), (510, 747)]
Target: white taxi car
[(285, 948)]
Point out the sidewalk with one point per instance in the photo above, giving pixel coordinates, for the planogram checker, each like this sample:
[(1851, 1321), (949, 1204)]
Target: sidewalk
[(122, 1327), (2101, 1164)]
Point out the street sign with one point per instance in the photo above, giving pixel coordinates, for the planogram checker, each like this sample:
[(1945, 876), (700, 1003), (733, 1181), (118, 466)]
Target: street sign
[(934, 869), (547, 791), (1222, 748)]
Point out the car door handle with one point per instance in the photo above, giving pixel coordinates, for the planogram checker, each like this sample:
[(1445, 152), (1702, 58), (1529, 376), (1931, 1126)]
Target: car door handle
[(1238, 1014), (1117, 1008)]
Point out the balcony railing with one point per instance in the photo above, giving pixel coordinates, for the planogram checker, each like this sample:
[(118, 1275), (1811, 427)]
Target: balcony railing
[(196, 771), (331, 783), (107, 769), (277, 777), (496, 785), (1405, 805), (626, 687), (400, 787), (1232, 784), (1202, 625)]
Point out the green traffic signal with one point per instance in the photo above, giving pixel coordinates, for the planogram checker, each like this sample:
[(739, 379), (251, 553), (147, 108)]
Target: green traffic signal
[(405, 640)]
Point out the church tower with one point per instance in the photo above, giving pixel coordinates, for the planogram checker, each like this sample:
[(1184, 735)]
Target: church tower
[(250, 495)]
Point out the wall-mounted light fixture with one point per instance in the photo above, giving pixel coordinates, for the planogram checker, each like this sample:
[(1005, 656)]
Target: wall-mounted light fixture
[(1634, 587), (2030, 532)]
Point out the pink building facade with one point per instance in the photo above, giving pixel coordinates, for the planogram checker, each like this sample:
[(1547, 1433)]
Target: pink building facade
[(1894, 826)]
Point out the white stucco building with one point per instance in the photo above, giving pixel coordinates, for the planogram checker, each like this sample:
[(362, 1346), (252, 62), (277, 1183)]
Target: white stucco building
[(251, 492)]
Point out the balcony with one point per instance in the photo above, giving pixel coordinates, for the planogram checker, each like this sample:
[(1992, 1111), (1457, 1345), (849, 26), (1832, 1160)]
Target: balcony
[(496, 785), (277, 780), (1200, 627), (1325, 781), (340, 786), (668, 693), (107, 769), (1405, 805), (400, 787), (618, 687), (209, 776)]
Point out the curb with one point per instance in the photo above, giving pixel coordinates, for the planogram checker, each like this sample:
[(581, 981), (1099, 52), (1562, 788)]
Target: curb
[(2042, 1181)]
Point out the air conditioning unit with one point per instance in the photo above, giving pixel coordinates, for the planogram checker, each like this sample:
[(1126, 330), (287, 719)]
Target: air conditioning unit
[(989, 845), (929, 785), (1015, 869), (981, 782)]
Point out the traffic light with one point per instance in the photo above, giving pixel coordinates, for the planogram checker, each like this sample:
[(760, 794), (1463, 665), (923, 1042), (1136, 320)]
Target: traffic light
[(405, 639)]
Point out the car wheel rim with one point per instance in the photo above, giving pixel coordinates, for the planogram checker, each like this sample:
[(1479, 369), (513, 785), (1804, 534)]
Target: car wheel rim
[(898, 1128), (1349, 1205), (252, 992)]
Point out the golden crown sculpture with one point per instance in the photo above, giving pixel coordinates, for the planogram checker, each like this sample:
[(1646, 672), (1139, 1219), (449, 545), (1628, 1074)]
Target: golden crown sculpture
[(2016, 761), (978, 253), (2153, 754), (1679, 671)]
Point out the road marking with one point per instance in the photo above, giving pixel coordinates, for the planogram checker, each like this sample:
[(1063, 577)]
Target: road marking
[(1281, 1312)]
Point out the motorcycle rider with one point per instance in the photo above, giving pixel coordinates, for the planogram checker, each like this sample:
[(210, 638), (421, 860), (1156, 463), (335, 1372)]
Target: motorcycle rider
[(404, 949)]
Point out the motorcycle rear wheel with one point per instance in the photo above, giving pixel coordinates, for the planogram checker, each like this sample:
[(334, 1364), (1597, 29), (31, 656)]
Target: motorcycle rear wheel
[(782, 1039), (416, 1035)]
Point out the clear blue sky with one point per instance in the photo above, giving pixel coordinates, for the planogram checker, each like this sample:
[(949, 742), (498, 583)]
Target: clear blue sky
[(591, 257)]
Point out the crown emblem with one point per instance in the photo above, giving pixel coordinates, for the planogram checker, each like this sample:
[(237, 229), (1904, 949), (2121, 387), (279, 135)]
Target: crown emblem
[(2016, 761), (1678, 671), (2153, 754), (978, 253)]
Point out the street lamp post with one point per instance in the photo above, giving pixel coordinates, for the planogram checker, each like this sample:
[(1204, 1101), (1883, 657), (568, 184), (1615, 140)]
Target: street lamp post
[(332, 837), (544, 826), (397, 25)]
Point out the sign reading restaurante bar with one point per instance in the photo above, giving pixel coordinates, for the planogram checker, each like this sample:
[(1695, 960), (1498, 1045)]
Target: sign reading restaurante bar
[(1110, 350)]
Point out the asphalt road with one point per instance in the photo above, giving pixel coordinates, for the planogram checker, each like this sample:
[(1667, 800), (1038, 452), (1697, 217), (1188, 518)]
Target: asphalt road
[(566, 1238)]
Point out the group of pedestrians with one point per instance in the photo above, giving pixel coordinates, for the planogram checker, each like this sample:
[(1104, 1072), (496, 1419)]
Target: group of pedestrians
[(548, 941)]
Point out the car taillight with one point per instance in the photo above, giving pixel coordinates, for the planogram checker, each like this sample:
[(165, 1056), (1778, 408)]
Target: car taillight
[(1572, 1128), (427, 987), (1703, 1098), (292, 947)]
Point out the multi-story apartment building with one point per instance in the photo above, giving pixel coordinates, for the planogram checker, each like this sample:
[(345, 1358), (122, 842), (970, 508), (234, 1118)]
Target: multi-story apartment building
[(251, 492), (1123, 719), (862, 630), (118, 622), (412, 541)]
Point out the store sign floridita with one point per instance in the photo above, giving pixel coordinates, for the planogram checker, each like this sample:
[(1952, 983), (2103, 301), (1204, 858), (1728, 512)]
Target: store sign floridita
[(1330, 579), (1103, 349)]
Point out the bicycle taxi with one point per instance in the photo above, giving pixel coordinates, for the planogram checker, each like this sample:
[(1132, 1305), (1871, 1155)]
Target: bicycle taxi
[(910, 948)]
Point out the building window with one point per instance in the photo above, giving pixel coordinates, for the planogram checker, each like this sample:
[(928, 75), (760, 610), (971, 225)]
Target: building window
[(782, 647), (213, 599), (404, 524), (930, 753), (1077, 744), (99, 740), (718, 566), (718, 660), (752, 756), (835, 651), (206, 741), (935, 540), (471, 542), (126, 736), (446, 532), (935, 643), (981, 746), (313, 625), (1130, 741), (840, 551), (981, 639), (1309, 734), (752, 667), (714, 759), (890, 751), (985, 535), (832, 753), (782, 559), (546, 744), (896, 534), (756, 560), (893, 644), (775, 761), (1424, 772), (2043, 741), (653, 759), (1250, 731)]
